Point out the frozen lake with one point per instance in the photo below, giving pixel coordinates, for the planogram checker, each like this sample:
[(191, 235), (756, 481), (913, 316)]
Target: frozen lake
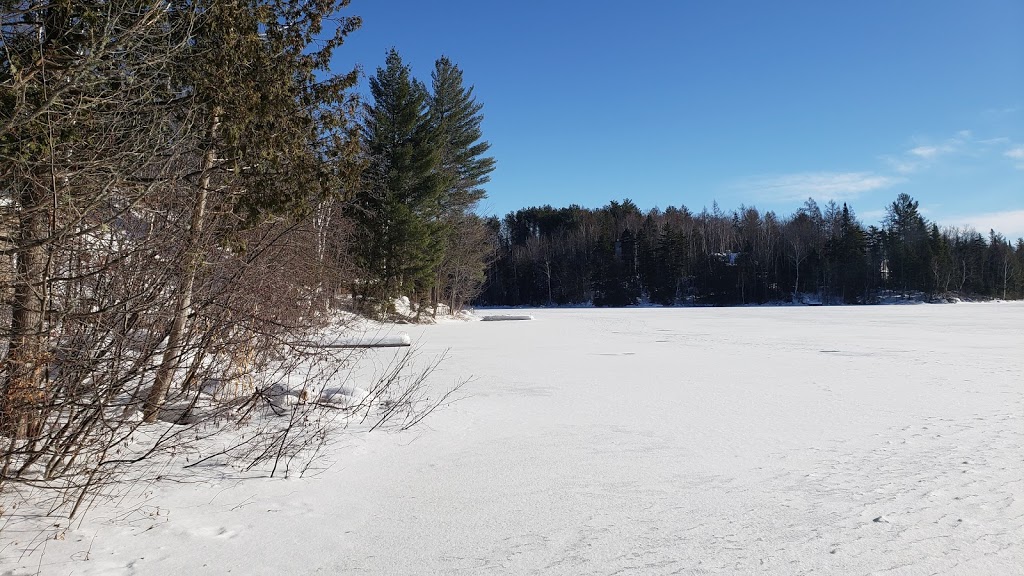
[(837, 440)]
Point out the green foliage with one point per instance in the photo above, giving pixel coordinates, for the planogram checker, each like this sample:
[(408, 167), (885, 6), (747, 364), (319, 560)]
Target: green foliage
[(400, 235), (416, 234), (454, 118), (260, 68)]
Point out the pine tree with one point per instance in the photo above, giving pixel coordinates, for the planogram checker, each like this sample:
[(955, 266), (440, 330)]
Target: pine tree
[(907, 247), (400, 238), (850, 257), (455, 118)]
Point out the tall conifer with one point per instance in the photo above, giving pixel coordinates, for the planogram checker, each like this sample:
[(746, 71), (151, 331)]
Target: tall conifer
[(455, 119), (398, 210)]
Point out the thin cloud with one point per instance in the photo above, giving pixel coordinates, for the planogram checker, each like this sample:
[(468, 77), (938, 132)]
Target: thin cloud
[(924, 156), (928, 154), (902, 165), (994, 141), (1009, 223), (999, 113), (1017, 155), (820, 185), (931, 152)]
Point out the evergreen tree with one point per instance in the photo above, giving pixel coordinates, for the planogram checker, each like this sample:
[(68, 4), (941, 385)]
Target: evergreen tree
[(850, 258), (400, 236), (614, 281), (942, 259), (907, 247), (454, 117)]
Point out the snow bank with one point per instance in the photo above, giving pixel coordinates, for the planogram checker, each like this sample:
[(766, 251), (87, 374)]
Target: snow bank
[(346, 395)]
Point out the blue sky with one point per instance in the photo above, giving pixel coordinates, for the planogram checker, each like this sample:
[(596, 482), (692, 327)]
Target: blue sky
[(676, 102)]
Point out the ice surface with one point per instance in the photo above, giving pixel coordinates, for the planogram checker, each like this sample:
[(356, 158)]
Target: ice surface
[(825, 440)]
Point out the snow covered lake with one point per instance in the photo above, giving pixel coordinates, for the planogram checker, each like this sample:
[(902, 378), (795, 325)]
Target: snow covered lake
[(836, 440)]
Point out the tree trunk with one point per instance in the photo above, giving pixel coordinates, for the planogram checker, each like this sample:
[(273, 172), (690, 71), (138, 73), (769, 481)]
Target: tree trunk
[(24, 390), (796, 285), (183, 303), (1006, 273), (547, 271)]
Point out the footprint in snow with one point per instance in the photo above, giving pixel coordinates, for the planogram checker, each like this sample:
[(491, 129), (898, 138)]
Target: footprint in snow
[(215, 532)]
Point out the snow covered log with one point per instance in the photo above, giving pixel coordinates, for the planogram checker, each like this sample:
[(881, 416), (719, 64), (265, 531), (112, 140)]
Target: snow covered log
[(499, 317), (370, 341)]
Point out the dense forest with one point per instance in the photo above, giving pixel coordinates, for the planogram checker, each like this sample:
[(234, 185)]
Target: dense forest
[(618, 256)]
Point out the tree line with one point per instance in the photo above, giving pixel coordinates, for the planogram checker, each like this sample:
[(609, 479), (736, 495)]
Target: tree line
[(189, 194), (618, 255)]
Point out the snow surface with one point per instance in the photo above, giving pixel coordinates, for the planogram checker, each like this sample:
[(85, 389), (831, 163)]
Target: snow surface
[(500, 317), (369, 341), (835, 440)]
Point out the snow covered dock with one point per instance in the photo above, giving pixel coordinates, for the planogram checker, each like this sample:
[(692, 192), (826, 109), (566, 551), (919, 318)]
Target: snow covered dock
[(505, 317), (370, 341)]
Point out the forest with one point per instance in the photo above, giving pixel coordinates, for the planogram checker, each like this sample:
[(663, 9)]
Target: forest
[(620, 256)]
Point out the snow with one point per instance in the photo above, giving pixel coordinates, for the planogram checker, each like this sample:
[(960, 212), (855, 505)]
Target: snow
[(500, 317), (374, 340), (787, 440)]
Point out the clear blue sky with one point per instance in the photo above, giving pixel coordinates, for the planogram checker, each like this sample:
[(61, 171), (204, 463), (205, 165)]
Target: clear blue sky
[(676, 102)]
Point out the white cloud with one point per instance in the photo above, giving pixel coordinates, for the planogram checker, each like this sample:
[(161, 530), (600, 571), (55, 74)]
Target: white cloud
[(926, 152), (930, 153), (916, 159), (993, 141), (933, 152), (926, 155), (819, 185), (1016, 153), (1009, 223)]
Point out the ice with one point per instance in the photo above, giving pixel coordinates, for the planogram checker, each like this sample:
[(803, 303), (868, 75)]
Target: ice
[(788, 440)]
